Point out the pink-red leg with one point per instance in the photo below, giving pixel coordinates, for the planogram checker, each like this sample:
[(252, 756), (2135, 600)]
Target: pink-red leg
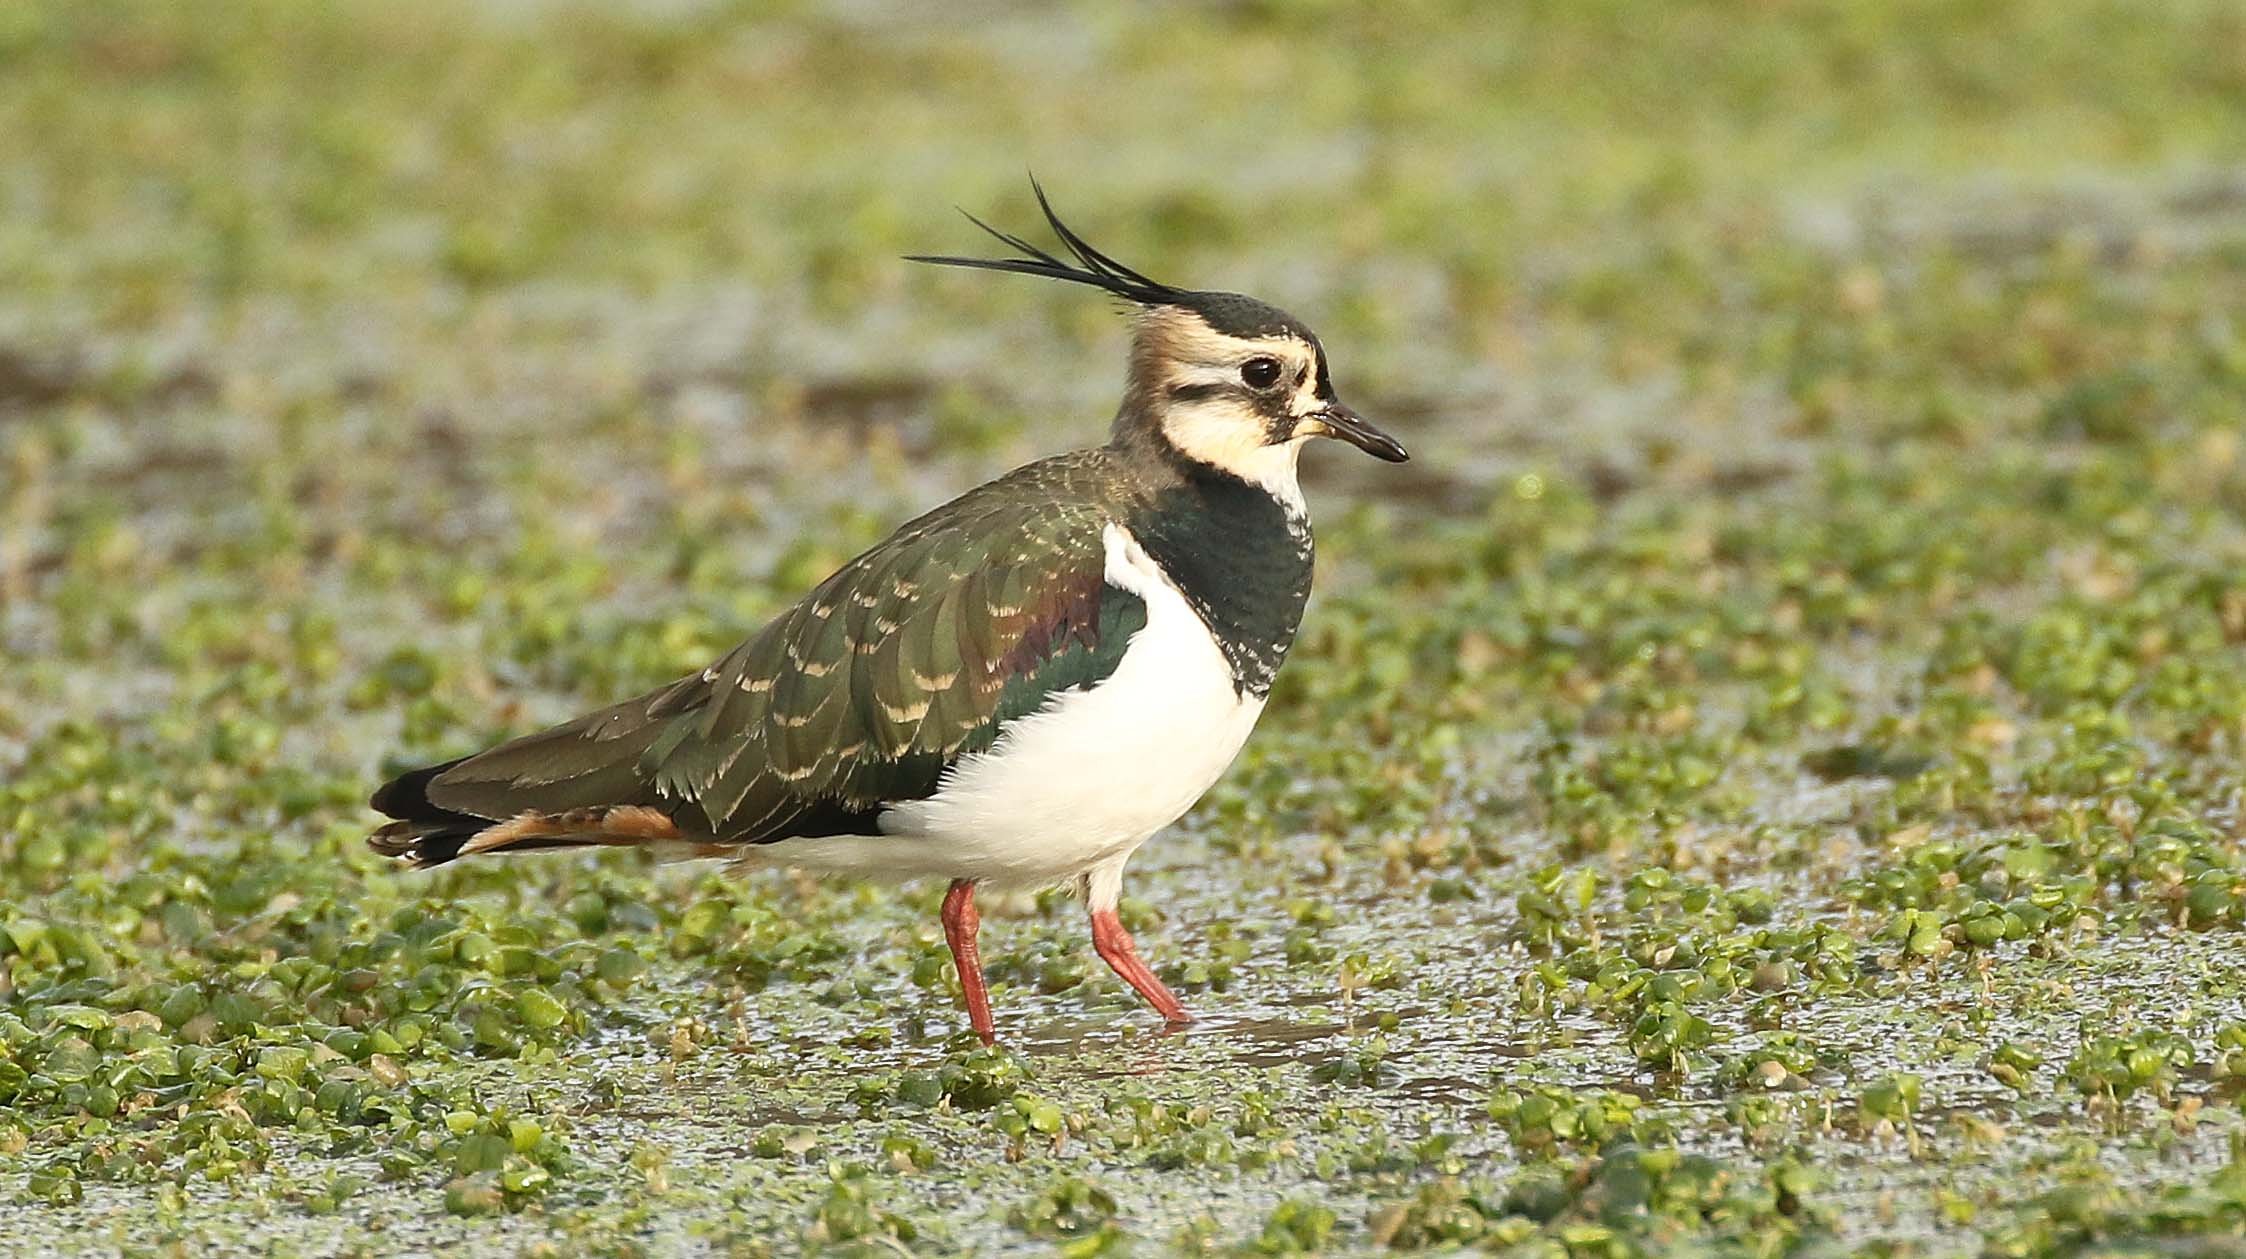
[(961, 922), (1120, 952)]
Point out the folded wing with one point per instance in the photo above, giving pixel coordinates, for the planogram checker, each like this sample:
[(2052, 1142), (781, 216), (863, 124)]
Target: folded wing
[(911, 656)]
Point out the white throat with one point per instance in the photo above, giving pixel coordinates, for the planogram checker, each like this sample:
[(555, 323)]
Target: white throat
[(1273, 469), (1228, 445)]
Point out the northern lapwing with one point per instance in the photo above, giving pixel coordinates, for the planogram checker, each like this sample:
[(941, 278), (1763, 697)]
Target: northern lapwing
[(1018, 688)]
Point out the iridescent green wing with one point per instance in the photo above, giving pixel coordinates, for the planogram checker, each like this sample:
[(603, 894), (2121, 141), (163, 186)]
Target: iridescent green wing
[(911, 656)]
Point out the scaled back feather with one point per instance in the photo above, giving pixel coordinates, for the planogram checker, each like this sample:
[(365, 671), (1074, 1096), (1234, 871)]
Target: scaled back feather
[(862, 695)]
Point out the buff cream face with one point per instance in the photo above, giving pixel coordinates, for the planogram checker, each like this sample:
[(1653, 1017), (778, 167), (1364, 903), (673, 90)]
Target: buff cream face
[(1241, 402)]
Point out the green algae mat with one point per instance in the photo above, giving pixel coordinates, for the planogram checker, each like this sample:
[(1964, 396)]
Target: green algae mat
[(1769, 778)]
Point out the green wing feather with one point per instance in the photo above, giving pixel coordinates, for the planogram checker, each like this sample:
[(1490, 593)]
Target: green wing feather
[(909, 657)]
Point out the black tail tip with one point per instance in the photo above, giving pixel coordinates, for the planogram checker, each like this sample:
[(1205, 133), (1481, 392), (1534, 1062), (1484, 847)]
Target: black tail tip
[(418, 846), (407, 795), (425, 834)]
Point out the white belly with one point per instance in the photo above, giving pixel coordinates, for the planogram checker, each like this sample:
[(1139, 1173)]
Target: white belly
[(1082, 781)]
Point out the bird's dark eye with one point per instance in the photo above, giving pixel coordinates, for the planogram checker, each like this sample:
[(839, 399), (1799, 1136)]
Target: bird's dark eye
[(1260, 372)]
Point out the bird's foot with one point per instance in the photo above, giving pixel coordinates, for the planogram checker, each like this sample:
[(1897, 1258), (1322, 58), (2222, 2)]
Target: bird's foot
[(1121, 953)]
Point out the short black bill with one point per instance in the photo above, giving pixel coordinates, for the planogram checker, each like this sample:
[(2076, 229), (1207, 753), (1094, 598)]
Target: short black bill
[(1340, 422)]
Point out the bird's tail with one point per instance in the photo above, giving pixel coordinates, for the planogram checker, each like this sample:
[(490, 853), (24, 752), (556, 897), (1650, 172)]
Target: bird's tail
[(428, 834), (579, 784), (424, 833)]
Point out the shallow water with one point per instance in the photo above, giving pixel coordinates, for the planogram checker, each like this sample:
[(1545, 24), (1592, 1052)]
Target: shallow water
[(1788, 714)]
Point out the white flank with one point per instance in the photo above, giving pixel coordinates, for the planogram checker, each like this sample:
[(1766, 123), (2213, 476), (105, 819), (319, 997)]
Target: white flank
[(1081, 782)]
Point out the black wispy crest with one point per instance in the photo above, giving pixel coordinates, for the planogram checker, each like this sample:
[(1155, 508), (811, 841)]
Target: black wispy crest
[(1091, 267)]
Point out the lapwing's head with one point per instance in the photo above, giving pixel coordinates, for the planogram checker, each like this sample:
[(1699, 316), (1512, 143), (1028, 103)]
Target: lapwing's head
[(1221, 379)]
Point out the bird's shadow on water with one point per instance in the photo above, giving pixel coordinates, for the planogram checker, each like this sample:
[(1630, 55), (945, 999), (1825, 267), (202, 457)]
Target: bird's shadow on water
[(1254, 1040), (1443, 1060), (787, 1096)]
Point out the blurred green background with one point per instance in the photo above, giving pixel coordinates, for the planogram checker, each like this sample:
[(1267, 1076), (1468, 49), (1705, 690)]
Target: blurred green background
[(1765, 779)]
